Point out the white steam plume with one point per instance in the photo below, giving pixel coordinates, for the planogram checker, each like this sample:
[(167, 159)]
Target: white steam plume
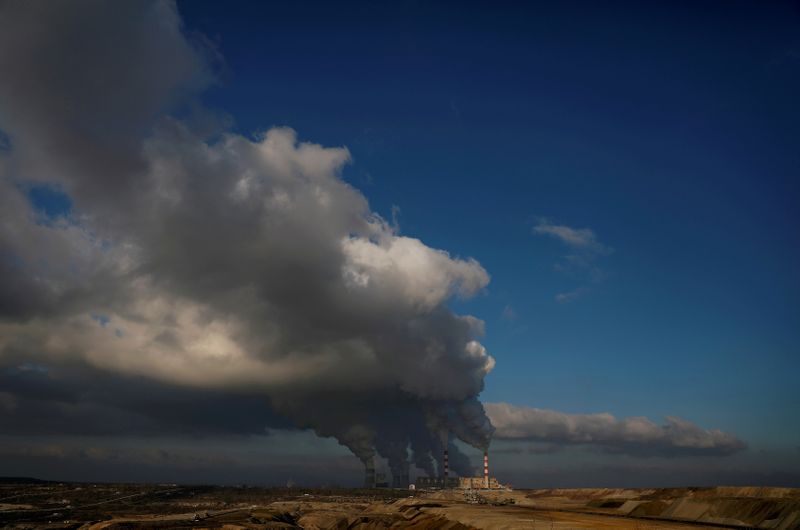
[(215, 261)]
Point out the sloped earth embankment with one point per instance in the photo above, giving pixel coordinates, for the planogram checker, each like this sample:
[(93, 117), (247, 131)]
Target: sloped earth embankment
[(768, 508), (305, 515)]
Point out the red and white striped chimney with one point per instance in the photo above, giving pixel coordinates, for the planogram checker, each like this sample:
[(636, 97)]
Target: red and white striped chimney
[(446, 467), (486, 469)]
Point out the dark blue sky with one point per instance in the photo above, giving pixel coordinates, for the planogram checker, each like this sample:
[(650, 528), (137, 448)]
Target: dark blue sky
[(670, 130)]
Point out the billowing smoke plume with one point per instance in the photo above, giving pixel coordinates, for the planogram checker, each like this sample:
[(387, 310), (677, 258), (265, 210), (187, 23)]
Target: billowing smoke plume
[(194, 256), (635, 436)]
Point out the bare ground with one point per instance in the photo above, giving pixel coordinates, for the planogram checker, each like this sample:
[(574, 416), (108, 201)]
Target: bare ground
[(115, 506)]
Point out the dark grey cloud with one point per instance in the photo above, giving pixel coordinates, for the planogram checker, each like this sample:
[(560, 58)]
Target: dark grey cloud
[(78, 399), (530, 449), (85, 81), (204, 281), (170, 459), (651, 476), (633, 436)]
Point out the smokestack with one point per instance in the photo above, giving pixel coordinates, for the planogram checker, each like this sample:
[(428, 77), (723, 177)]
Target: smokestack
[(446, 467), (369, 473), (486, 469)]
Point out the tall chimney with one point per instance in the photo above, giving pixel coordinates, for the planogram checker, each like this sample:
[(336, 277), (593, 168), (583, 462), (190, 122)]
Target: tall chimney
[(446, 467), (486, 469)]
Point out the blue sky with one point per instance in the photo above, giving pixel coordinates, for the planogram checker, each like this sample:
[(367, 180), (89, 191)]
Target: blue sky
[(670, 131)]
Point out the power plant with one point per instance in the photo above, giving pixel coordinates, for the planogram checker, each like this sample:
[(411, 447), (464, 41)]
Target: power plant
[(445, 481), (464, 483)]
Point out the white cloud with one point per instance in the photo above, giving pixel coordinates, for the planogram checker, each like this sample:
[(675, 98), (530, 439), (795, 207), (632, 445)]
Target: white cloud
[(580, 261), (582, 239), (570, 296), (423, 276)]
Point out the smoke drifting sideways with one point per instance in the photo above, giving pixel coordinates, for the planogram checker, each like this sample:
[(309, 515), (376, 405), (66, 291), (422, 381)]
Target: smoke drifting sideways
[(636, 436), (197, 257)]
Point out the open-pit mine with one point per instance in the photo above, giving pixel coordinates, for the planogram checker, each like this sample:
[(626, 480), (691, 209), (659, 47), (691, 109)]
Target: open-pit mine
[(35, 504)]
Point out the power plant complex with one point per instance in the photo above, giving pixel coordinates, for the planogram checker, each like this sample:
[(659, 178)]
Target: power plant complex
[(445, 481)]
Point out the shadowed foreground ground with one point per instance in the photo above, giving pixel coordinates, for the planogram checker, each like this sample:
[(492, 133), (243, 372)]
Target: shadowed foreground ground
[(96, 506)]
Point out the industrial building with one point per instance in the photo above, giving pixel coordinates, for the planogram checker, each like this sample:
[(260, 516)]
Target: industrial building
[(476, 483), (464, 483), (373, 479), (401, 481), (369, 473), (438, 482)]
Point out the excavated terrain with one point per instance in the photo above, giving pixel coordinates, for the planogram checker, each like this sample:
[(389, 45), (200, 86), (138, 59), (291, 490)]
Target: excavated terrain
[(117, 506), (777, 508)]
